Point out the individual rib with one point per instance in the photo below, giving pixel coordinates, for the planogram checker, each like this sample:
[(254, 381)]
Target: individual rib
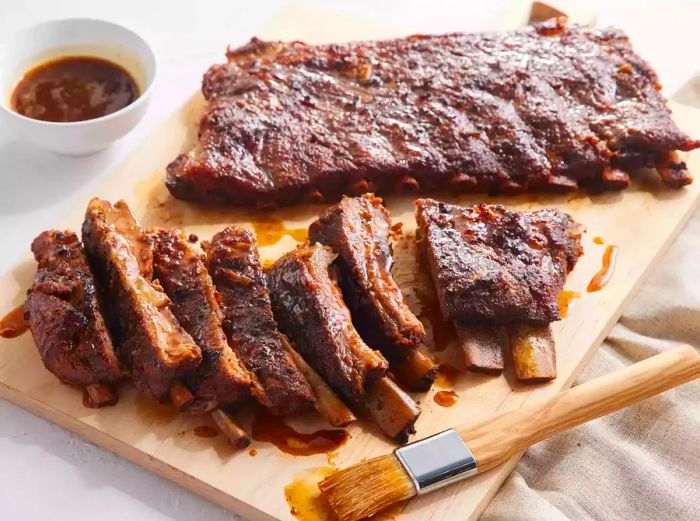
[(357, 229), (309, 308), (152, 344), (64, 317), (234, 265), (220, 379)]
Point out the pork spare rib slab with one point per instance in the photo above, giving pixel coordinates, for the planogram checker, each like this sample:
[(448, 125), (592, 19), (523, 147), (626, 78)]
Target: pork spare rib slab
[(234, 264), (64, 315), (151, 342), (548, 107)]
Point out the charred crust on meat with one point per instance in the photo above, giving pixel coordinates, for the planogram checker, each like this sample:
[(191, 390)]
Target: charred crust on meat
[(549, 107), (64, 316), (495, 265), (235, 268)]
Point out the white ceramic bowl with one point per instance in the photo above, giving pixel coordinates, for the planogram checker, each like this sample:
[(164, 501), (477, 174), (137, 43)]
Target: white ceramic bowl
[(81, 37)]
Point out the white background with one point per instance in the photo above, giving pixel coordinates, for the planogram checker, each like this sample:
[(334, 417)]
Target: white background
[(46, 472)]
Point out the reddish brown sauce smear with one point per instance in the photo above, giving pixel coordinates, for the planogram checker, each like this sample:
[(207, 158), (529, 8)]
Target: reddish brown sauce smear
[(566, 301), (253, 452), (73, 88), (446, 398), (269, 231), (13, 324), (272, 429), (602, 278), (598, 240), (447, 376), (206, 431)]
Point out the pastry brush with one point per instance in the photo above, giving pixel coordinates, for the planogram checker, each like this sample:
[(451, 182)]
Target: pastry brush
[(455, 454)]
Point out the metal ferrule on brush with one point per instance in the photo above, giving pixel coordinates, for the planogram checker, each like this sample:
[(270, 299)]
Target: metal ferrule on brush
[(437, 461)]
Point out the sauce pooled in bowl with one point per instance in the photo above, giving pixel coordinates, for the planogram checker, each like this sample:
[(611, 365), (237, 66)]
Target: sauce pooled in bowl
[(74, 88)]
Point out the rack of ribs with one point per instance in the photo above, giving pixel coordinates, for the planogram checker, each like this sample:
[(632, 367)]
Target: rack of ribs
[(498, 274), (65, 319), (310, 310), (151, 342), (357, 229), (548, 107)]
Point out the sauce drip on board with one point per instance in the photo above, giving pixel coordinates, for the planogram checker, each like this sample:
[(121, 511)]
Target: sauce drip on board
[(73, 88), (602, 278), (598, 240), (152, 412), (269, 231), (447, 376), (205, 431), (272, 429), (446, 398), (252, 452), (566, 301), (13, 324)]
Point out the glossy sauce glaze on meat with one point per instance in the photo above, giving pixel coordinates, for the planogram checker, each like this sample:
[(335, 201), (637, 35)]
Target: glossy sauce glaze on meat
[(234, 265), (309, 308), (220, 379), (495, 265), (151, 342), (64, 315), (544, 108), (357, 229)]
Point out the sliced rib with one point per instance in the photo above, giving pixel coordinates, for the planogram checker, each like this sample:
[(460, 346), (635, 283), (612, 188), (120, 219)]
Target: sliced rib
[(151, 342), (64, 317), (309, 308), (357, 229), (234, 265)]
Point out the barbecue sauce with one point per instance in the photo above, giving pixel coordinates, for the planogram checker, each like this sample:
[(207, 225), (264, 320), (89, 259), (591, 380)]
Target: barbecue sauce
[(13, 324), (447, 376), (205, 431), (73, 88), (272, 429), (566, 301), (446, 398), (269, 231), (602, 278)]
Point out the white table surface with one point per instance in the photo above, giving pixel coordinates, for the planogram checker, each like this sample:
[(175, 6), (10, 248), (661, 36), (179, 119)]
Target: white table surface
[(47, 472)]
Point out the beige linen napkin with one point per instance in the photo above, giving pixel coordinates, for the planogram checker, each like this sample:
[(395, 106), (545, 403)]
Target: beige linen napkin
[(642, 463)]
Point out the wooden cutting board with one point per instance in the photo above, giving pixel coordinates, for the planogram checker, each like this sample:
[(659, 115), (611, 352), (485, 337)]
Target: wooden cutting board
[(641, 221)]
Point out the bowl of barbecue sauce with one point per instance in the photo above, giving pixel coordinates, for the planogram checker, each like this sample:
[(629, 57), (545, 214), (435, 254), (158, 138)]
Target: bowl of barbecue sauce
[(75, 86)]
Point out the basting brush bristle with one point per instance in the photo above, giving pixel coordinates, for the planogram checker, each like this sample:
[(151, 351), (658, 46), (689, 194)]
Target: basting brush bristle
[(367, 488)]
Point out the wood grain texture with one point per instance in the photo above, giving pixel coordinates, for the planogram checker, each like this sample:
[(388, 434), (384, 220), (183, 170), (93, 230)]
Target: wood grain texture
[(642, 221), (494, 441)]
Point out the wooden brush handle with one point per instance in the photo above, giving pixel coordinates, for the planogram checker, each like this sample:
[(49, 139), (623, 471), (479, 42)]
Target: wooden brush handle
[(494, 441)]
